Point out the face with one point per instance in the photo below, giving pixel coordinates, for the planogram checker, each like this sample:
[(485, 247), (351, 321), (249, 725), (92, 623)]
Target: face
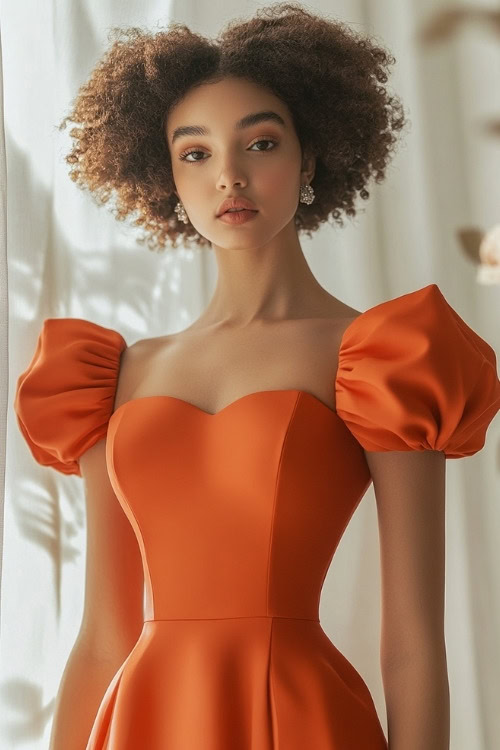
[(261, 161)]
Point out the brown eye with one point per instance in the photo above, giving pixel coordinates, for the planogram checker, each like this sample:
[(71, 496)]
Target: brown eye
[(265, 140), (185, 154)]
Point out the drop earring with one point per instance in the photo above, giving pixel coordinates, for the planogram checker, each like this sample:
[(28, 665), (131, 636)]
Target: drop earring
[(306, 194), (181, 212)]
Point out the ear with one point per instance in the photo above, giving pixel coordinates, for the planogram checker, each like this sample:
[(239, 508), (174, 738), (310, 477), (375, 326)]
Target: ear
[(308, 166)]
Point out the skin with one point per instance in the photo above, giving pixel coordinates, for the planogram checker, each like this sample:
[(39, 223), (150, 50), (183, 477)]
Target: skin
[(263, 276), (262, 271)]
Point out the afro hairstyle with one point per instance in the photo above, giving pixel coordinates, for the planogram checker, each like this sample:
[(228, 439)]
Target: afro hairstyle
[(330, 77)]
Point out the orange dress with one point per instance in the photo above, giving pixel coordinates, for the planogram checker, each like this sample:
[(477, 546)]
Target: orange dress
[(238, 515)]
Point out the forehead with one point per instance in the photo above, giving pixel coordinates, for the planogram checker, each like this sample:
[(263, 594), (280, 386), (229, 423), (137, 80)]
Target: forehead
[(231, 104)]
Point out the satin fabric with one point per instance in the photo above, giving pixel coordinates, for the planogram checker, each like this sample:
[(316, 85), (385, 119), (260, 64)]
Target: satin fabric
[(238, 515)]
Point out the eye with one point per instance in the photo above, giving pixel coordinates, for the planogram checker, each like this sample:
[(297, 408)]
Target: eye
[(183, 156)]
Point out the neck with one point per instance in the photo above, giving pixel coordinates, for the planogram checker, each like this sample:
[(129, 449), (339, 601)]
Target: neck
[(269, 283)]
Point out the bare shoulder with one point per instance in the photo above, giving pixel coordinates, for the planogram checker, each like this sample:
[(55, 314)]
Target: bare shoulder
[(133, 364), (338, 310), (345, 311)]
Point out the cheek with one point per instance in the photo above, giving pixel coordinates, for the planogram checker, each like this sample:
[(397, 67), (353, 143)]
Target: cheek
[(283, 170), (280, 185), (276, 184)]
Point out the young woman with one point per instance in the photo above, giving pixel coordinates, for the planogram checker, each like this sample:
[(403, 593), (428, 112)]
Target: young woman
[(223, 463)]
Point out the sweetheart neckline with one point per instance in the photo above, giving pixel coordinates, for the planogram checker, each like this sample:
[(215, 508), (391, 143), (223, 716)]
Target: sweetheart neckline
[(298, 391), (254, 393), (362, 316)]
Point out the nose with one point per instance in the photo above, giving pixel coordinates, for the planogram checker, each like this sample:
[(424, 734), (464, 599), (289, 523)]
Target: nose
[(228, 179)]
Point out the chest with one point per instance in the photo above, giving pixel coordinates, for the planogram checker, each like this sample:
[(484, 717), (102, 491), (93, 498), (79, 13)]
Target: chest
[(211, 370)]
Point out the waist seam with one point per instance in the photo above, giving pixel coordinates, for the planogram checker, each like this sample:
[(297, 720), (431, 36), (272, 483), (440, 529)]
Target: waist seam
[(237, 617)]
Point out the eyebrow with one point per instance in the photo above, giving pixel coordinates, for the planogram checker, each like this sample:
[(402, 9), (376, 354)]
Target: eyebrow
[(251, 119)]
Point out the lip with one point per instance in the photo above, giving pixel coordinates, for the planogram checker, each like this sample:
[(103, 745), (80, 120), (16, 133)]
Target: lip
[(238, 217), (235, 203)]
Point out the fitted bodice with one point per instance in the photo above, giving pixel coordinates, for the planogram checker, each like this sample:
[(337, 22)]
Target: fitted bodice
[(263, 489)]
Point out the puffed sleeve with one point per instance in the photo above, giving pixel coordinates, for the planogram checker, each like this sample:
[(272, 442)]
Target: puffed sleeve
[(412, 375), (65, 397)]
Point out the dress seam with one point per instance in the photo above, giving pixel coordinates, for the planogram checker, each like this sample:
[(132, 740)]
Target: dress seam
[(235, 617), (276, 485), (272, 698)]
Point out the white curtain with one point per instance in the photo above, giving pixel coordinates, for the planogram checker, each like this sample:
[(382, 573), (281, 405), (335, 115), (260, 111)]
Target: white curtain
[(64, 254)]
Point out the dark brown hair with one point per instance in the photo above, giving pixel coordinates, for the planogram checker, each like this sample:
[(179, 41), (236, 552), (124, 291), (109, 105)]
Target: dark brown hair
[(328, 75)]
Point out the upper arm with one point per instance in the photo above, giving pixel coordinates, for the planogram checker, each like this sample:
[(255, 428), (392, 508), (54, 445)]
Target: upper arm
[(410, 495), (114, 581)]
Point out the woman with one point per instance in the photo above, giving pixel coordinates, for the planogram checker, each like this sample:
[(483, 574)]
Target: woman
[(223, 463)]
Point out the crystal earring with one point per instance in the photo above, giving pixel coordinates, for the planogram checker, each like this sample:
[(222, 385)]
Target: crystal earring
[(181, 212), (306, 194)]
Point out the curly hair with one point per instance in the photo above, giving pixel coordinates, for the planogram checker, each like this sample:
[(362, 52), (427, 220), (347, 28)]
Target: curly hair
[(328, 75)]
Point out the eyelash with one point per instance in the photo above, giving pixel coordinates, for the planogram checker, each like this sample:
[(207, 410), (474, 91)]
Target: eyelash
[(182, 157)]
